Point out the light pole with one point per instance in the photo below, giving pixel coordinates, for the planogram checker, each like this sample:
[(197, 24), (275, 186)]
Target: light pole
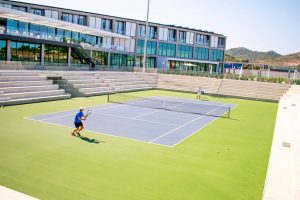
[(146, 38)]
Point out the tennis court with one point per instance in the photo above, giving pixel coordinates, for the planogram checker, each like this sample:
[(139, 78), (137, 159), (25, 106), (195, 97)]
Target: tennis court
[(161, 120)]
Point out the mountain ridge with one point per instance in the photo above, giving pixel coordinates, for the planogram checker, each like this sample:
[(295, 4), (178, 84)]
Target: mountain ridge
[(242, 54)]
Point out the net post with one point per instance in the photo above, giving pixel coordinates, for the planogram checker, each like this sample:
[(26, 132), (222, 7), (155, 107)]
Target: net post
[(108, 97), (229, 112)]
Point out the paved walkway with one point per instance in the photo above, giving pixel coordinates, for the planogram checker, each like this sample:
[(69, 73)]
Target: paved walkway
[(9, 194), (283, 176)]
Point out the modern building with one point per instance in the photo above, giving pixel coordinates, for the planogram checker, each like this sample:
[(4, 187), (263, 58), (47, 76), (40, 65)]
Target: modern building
[(50, 35)]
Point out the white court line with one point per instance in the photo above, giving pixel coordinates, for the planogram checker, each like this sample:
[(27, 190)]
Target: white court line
[(94, 107), (153, 122), (199, 129), (114, 106), (107, 134), (169, 132)]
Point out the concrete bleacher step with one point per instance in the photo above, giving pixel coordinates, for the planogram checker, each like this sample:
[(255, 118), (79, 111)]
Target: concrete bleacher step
[(78, 77), (22, 78), (34, 100), (27, 83), (90, 85), (26, 95), (132, 86), (21, 73), (95, 89), (130, 83), (89, 81), (7, 90)]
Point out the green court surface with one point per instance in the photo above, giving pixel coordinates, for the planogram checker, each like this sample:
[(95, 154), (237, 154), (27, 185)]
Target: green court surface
[(226, 160)]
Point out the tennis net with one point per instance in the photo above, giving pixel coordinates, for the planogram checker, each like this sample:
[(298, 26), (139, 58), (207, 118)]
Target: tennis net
[(170, 104)]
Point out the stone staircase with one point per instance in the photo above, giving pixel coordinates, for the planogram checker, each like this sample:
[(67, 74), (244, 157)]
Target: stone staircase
[(99, 83), (19, 87), (253, 89), (225, 87)]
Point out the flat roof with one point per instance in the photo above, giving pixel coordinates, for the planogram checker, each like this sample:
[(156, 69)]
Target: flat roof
[(141, 21)]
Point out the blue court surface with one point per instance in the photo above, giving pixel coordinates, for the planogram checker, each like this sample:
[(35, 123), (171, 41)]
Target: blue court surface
[(158, 120)]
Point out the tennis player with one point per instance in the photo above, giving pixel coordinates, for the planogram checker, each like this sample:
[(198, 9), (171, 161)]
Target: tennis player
[(199, 92), (78, 122)]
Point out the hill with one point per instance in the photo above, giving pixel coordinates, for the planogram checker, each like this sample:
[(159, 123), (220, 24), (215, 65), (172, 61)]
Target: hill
[(242, 54)]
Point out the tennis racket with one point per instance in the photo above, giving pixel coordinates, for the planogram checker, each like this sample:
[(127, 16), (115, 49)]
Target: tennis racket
[(88, 113)]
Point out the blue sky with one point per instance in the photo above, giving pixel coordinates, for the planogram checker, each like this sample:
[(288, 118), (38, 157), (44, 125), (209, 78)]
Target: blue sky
[(260, 25)]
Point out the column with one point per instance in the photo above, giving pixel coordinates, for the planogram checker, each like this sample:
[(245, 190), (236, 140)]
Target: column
[(108, 59), (8, 50), (69, 56), (42, 54)]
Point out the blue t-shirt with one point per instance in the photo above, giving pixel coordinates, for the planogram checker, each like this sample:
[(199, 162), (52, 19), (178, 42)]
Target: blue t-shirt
[(78, 115)]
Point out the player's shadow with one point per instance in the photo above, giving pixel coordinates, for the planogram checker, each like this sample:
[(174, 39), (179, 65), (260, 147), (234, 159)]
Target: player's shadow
[(89, 140)]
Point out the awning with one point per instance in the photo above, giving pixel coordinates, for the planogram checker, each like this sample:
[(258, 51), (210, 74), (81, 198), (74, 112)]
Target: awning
[(194, 61), (45, 21)]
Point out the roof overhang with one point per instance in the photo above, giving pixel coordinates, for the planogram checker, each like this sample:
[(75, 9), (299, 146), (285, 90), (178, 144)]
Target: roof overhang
[(194, 61), (45, 21)]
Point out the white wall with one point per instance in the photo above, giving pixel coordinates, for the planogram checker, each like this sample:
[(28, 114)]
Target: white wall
[(214, 41), (130, 29), (163, 33)]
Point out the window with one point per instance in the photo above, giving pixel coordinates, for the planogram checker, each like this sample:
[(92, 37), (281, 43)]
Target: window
[(55, 54), (151, 47), (201, 53), (172, 35), (185, 51), (100, 57), (19, 8), (106, 25), (221, 43), (152, 34), (202, 40), (216, 55), (120, 27), (182, 36), (25, 52), (142, 31), (166, 49), (51, 14), (2, 49), (121, 60), (37, 11), (150, 62), (76, 19)]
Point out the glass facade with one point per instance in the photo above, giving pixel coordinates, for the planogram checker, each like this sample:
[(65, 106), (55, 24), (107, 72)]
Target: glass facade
[(55, 54), (166, 49), (23, 29), (201, 53), (151, 47), (121, 60), (150, 62), (2, 49), (216, 55), (100, 57), (192, 66), (28, 52), (185, 51)]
